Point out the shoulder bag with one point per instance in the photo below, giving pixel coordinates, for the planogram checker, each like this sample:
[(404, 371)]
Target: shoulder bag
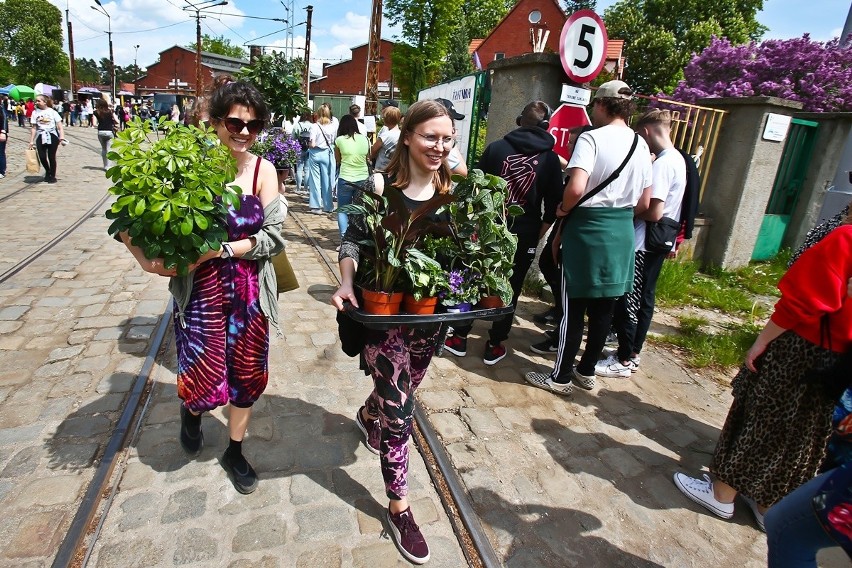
[(660, 236)]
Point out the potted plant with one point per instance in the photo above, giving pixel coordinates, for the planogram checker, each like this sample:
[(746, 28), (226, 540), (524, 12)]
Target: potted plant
[(426, 279), (279, 148), (462, 290), (480, 222), (393, 231), (172, 193)]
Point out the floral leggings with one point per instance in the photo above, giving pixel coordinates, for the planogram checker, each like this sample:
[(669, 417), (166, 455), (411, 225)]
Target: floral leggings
[(397, 360)]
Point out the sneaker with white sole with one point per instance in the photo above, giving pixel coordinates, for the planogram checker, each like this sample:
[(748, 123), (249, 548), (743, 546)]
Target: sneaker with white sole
[(633, 363), (407, 536), (543, 381), (372, 431), (612, 367), (758, 516), (493, 353), (701, 491), (456, 345), (586, 382), (547, 347)]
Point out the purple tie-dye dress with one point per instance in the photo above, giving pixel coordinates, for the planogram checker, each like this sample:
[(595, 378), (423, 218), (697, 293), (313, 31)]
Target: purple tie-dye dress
[(223, 348)]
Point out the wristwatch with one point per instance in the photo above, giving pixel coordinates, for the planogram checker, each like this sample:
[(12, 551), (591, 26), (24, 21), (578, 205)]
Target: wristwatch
[(227, 251)]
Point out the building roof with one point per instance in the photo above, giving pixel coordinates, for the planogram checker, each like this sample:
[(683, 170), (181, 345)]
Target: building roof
[(506, 17), (474, 45), (614, 48)]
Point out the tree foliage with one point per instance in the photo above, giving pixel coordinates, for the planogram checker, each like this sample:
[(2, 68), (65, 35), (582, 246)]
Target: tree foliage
[(31, 42), (87, 70), (220, 45), (817, 74), (280, 82), (572, 6), (661, 35)]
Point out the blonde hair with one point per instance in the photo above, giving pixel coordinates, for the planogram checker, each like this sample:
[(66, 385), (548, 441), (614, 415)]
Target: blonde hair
[(399, 168), (655, 116), (47, 100), (324, 114), (391, 116)]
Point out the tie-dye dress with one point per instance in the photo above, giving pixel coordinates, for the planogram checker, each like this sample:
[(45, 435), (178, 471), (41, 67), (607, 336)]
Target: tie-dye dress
[(223, 344)]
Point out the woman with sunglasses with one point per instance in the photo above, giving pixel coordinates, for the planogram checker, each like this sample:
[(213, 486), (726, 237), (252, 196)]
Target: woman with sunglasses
[(224, 307), (398, 358), (321, 161)]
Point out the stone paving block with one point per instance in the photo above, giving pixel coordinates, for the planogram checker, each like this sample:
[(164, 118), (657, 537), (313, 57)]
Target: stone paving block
[(370, 515), (140, 332), (38, 534), (99, 322), (136, 476), (319, 522), (64, 275), (81, 336), (116, 382), (682, 437), (189, 503), (483, 423), (329, 556), (379, 555), (194, 545), (139, 510), (20, 435), (97, 348), (264, 562), (307, 489), (483, 397), (71, 385), (53, 302), (92, 311), (12, 313), (440, 399), (262, 532), (449, 426), (84, 426), (268, 494), (621, 461), (136, 553), (24, 462), (13, 415), (110, 333), (62, 353)]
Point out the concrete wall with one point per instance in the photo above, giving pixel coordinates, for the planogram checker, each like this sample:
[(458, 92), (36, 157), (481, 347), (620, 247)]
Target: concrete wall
[(517, 81), (828, 166), (740, 180)]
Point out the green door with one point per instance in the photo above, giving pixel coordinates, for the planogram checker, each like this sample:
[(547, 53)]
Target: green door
[(787, 187)]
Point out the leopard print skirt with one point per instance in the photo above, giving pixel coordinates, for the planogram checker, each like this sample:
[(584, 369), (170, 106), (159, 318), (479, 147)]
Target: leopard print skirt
[(775, 435)]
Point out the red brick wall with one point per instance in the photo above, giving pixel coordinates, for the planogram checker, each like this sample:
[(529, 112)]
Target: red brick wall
[(512, 35), (161, 74), (347, 77)]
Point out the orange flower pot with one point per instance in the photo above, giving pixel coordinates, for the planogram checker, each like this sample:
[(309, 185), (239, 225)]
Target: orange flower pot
[(487, 302), (381, 303), (423, 306)]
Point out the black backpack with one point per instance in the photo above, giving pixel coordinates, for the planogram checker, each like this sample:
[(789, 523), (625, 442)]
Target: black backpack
[(691, 194)]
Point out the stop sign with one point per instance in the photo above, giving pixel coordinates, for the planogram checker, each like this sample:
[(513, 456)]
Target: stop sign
[(563, 120)]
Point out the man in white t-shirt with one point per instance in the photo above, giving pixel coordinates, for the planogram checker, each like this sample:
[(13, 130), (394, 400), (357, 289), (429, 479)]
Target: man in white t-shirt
[(634, 310), (609, 182)]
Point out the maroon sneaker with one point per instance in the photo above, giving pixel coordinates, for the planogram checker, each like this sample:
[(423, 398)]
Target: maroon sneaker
[(372, 432), (407, 537), (456, 345), (493, 353)]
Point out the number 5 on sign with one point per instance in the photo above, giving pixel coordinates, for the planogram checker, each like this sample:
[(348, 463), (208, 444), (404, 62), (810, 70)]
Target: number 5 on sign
[(582, 46)]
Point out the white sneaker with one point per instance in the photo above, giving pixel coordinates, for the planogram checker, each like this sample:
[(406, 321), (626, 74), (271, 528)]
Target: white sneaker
[(583, 381), (543, 381), (701, 491), (757, 516), (612, 367), (633, 363)]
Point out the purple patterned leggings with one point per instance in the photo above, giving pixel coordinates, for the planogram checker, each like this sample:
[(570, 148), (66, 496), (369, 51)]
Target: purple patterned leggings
[(397, 361)]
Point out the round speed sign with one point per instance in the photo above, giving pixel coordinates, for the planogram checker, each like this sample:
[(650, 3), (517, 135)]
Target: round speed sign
[(582, 46)]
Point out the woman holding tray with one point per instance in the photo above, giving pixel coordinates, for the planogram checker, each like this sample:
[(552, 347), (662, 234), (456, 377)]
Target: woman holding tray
[(397, 358), (225, 305)]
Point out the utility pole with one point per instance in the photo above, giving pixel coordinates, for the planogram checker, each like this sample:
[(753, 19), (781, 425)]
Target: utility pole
[(135, 71), (371, 89), (197, 8), (72, 63), (310, 10), (100, 8)]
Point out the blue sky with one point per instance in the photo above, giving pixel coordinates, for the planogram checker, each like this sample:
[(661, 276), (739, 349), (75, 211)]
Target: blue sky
[(338, 25)]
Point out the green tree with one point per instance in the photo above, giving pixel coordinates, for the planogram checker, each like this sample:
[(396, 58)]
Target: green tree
[(459, 62), (661, 35), (572, 6), (128, 74), (87, 71), (220, 45), (480, 16), (280, 82), (31, 41)]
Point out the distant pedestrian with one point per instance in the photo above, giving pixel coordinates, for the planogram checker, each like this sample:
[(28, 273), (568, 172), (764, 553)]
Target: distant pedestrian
[(386, 141), (174, 116), (46, 134), (321, 162), (302, 130), (4, 136), (29, 108), (21, 113), (107, 128), (350, 154)]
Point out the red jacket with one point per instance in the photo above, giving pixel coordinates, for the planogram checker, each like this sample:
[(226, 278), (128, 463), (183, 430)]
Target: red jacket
[(815, 286), (29, 107)]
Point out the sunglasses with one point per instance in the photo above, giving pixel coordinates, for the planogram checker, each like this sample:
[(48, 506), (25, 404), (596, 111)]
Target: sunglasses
[(235, 125)]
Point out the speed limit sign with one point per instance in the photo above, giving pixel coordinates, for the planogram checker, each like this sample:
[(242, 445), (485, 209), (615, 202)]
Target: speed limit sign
[(582, 46)]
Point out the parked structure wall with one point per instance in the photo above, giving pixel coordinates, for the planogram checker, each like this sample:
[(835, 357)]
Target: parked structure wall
[(349, 77)]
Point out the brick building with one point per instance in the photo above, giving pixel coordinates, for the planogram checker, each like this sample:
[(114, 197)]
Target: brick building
[(349, 77), (512, 36), (177, 64)]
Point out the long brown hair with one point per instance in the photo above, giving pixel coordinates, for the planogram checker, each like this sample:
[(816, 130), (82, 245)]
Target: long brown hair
[(398, 168)]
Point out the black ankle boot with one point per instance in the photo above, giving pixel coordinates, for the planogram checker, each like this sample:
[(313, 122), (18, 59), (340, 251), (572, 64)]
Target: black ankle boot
[(191, 436)]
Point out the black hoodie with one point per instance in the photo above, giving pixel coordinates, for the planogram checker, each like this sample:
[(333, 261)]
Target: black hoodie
[(526, 160)]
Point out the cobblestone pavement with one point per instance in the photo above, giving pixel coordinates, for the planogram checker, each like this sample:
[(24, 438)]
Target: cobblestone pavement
[(584, 481)]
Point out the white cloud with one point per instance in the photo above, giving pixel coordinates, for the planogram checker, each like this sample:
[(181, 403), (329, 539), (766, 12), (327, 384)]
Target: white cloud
[(354, 30)]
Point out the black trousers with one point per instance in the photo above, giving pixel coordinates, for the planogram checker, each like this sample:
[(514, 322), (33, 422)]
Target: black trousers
[(634, 311), (599, 311), (47, 154), (524, 256), (551, 271)]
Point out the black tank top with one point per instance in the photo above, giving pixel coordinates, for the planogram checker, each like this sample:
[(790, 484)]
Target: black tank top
[(106, 122)]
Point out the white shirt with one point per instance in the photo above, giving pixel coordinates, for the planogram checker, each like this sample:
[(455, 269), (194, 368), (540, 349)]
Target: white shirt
[(669, 183), (46, 120), (599, 152), (389, 139), (323, 134)]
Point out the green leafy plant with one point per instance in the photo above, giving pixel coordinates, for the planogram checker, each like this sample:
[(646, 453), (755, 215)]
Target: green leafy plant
[(172, 193), (480, 216), (393, 231), (426, 276), (279, 80)]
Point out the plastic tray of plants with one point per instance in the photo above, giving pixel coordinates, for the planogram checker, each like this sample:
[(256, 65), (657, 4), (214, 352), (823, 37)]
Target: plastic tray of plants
[(373, 321)]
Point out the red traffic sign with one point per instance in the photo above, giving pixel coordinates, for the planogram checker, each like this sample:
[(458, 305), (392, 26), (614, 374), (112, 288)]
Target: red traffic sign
[(563, 120), (582, 46)]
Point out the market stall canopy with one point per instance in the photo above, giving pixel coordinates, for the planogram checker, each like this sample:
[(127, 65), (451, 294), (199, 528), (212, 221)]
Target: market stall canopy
[(5, 90), (44, 89), (88, 91), (21, 93), (124, 94)]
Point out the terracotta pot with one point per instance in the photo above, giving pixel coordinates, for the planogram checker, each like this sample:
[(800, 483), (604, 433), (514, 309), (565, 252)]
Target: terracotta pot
[(487, 302), (421, 307), (381, 303)]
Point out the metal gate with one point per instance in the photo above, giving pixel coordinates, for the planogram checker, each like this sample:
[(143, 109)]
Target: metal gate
[(788, 185)]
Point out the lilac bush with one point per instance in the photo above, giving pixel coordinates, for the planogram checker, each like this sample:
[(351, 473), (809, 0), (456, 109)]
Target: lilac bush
[(817, 74), (279, 148)]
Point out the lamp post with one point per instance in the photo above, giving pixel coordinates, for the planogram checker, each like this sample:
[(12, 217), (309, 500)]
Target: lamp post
[(135, 70), (197, 8), (100, 8)]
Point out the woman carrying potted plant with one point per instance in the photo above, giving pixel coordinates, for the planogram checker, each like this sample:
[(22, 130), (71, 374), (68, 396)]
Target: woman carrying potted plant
[(350, 152), (397, 358), (226, 302)]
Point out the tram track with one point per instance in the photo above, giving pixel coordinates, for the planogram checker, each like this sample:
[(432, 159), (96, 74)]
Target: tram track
[(79, 542)]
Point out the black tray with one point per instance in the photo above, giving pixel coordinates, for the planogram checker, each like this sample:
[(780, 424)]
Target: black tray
[(373, 321)]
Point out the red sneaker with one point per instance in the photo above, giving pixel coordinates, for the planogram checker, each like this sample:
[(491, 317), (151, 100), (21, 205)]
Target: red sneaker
[(456, 345), (407, 537), (493, 353)]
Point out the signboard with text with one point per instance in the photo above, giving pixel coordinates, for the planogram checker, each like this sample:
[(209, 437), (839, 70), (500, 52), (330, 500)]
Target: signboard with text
[(460, 93)]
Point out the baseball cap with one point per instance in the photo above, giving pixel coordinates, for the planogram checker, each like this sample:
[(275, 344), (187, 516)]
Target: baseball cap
[(390, 103), (455, 115), (610, 90)]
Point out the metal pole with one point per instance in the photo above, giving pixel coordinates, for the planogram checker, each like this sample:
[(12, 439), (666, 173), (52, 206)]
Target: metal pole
[(72, 63), (199, 85), (135, 71), (310, 10), (111, 60), (176, 78)]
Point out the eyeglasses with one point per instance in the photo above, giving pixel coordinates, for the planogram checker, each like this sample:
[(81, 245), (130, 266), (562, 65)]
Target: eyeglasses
[(235, 125), (432, 140)]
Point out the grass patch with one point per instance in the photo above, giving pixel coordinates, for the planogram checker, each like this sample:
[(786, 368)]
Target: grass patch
[(702, 348), (533, 286)]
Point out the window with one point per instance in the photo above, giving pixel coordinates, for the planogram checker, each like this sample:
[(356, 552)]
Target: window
[(499, 55)]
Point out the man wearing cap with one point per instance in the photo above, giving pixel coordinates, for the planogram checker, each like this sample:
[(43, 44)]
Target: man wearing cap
[(526, 160), (454, 158), (609, 183)]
